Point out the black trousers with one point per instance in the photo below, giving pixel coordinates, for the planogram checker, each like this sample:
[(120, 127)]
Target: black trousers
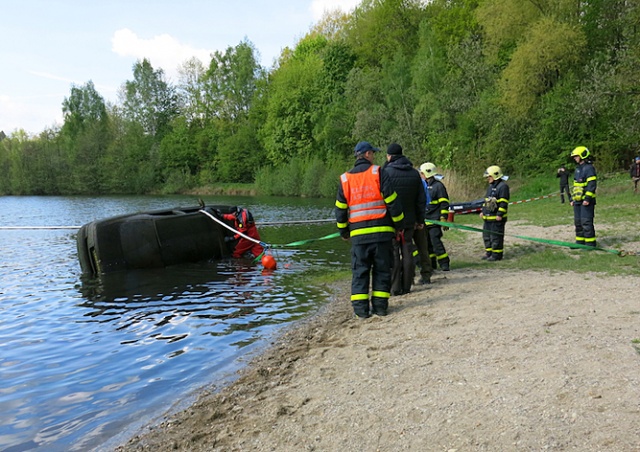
[(493, 237), (404, 267), (422, 243), (371, 265), (583, 221), (564, 188), (437, 252)]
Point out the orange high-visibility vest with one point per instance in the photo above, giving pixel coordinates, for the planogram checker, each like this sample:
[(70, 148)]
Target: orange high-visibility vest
[(363, 195)]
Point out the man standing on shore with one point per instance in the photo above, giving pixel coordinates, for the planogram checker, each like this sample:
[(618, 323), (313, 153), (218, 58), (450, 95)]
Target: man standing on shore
[(368, 212), (563, 174), (408, 184)]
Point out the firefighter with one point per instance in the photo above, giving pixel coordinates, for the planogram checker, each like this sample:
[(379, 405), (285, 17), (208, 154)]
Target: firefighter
[(437, 209), (368, 213), (494, 213), (584, 196), (243, 222)]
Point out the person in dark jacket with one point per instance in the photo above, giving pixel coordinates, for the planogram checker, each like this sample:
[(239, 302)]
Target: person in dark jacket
[(634, 172), (437, 209), (584, 197), (494, 214), (408, 185), (563, 174), (368, 213)]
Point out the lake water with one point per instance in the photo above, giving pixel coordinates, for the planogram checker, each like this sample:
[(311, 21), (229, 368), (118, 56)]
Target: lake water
[(84, 362)]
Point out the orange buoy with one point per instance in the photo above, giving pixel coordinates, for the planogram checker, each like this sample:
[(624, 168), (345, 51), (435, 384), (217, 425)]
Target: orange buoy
[(269, 262)]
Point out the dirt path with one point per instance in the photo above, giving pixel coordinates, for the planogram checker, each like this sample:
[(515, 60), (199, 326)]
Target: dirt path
[(479, 360)]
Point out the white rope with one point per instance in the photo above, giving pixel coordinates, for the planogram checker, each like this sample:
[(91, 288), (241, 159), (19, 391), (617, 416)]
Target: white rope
[(220, 222)]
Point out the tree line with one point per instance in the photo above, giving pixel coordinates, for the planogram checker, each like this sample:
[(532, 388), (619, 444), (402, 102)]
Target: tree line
[(462, 83)]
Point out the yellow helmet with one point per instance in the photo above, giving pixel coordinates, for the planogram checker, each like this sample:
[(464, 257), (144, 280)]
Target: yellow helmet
[(581, 152), (494, 171), (428, 169)]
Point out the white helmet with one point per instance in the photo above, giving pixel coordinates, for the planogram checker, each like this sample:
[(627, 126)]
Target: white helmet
[(495, 172), (428, 169)]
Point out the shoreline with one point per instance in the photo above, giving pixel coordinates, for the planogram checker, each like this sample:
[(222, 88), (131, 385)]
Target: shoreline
[(478, 360)]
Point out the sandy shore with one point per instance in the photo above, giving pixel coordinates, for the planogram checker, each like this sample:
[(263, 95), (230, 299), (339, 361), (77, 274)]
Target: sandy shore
[(479, 360)]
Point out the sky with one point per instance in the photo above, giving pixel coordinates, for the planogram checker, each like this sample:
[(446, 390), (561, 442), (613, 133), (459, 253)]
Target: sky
[(47, 46)]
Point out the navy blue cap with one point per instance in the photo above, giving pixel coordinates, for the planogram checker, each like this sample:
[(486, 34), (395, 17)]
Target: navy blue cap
[(363, 147)]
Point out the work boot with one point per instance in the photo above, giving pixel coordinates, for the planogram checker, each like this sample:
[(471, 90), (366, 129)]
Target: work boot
[(425, 280), (444, 266), (486, 256)]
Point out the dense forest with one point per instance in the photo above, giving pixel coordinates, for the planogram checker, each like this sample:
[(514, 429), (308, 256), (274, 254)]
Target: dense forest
[(462, 83)]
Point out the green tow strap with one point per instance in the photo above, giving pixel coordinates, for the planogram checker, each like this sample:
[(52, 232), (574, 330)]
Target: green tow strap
[(298, 243), (304, 242), (533, 239)]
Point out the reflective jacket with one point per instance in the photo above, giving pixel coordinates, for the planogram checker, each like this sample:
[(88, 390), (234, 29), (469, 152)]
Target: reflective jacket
[(496, 202), (438, 205), (584, 183), (367, 207)]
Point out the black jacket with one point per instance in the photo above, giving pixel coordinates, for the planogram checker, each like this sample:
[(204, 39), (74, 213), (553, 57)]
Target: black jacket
[(408, 184)]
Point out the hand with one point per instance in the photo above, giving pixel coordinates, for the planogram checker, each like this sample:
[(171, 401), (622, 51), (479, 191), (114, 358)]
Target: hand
[(419, 226), (444, 228), (585, 203), (400, 235), (498, 218), (481, 216)]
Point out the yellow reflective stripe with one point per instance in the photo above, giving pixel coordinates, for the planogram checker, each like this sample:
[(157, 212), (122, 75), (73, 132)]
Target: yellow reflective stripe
[(497, 251), (579, 184), (503, 200), (342, 205), (442, 256), (366, 205), (398, 218), (359, 296), (579, 239), (391, 197), (589, 179), (372, 230), (377, 293), (365, 213), (443, 200), (590, 239), (588, 193), (415, 253), (342, 225), (444, 212), (485, 217), (502, 209)]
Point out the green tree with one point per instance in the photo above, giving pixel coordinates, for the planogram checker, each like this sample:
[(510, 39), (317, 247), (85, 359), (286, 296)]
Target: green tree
[(149, 99)]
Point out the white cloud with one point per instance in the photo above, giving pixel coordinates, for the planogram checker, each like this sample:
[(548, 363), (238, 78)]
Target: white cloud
[(162, 51), (319, 7)]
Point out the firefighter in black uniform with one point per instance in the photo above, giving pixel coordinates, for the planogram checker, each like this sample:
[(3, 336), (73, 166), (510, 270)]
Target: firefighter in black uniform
[(368, 212), (494, 213), (437, 209), (407, 182), (584, 197)]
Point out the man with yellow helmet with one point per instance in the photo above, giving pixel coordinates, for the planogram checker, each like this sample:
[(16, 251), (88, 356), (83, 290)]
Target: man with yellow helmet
[(584, 197), (494, 213)]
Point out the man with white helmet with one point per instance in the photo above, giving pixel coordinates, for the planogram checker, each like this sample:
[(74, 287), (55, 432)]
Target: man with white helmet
[(494, 213), (437, 209), (584, 197)]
